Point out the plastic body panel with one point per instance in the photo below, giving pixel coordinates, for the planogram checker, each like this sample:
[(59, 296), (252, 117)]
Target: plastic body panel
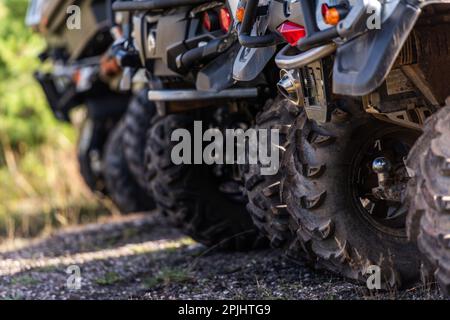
[(94, 31), (363, 63)]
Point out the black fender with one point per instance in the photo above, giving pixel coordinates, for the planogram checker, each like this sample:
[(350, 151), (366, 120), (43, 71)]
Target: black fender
[(363, 63), (250, 62)]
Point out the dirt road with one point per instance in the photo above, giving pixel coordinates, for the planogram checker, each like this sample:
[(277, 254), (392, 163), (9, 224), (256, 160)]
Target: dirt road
[(140, 257)]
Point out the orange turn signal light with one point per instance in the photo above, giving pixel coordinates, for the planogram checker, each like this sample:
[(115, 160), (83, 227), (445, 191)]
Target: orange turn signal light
[(330, 15), (76, 76), (109, 66), (240, 14)]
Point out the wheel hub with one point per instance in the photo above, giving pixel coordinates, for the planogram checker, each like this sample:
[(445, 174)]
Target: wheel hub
[(390, 187), (380, 179)]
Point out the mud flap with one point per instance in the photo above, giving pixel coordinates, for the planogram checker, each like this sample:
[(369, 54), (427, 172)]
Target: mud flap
[(59, 102), (218, 74), (250, 62), (363, 63)]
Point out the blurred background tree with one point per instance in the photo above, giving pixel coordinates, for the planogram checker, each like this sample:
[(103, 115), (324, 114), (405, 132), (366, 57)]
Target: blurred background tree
[(39, 181), (25, 119)]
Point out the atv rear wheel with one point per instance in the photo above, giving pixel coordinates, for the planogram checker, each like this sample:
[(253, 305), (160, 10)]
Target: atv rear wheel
[(122, 188), (329, 188), (263, 191), (192, 197), (429, 216), (90, 146), (138, 120)]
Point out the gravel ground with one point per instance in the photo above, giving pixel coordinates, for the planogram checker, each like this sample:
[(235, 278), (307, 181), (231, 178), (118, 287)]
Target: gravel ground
[(139, 257)]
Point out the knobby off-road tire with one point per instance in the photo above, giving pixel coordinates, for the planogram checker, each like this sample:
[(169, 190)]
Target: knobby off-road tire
[(90, 146), (138, 120), (190, 196), (122, 188), (334, 232), (263, 191), (429, 216)]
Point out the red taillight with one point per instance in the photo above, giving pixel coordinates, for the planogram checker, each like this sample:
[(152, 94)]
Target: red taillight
[(109, 66), (325, 8), (43, 24), (207, 21), (292, 32), (225, 19)]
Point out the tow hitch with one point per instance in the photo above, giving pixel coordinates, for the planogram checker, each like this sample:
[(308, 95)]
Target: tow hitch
[(391, 183)]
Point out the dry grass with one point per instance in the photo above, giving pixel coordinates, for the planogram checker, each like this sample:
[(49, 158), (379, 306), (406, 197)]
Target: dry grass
[(42, 189), (39, 183)]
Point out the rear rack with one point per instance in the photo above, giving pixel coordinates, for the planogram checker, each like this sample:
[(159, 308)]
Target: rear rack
[(153, 4), (245, 37), (314, 38)]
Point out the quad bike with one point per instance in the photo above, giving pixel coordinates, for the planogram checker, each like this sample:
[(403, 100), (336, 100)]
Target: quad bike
[(188, 49), (366, 99), (83, 73)]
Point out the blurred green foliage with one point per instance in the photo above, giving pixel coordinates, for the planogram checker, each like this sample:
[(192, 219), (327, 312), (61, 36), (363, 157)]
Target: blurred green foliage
[(39, 181), (25, 120)]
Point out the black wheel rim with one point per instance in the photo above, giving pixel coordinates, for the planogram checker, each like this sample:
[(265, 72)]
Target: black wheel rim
[(394, 144)]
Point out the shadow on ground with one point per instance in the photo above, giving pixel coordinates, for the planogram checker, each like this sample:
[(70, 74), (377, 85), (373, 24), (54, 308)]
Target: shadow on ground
[(140, 257)]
